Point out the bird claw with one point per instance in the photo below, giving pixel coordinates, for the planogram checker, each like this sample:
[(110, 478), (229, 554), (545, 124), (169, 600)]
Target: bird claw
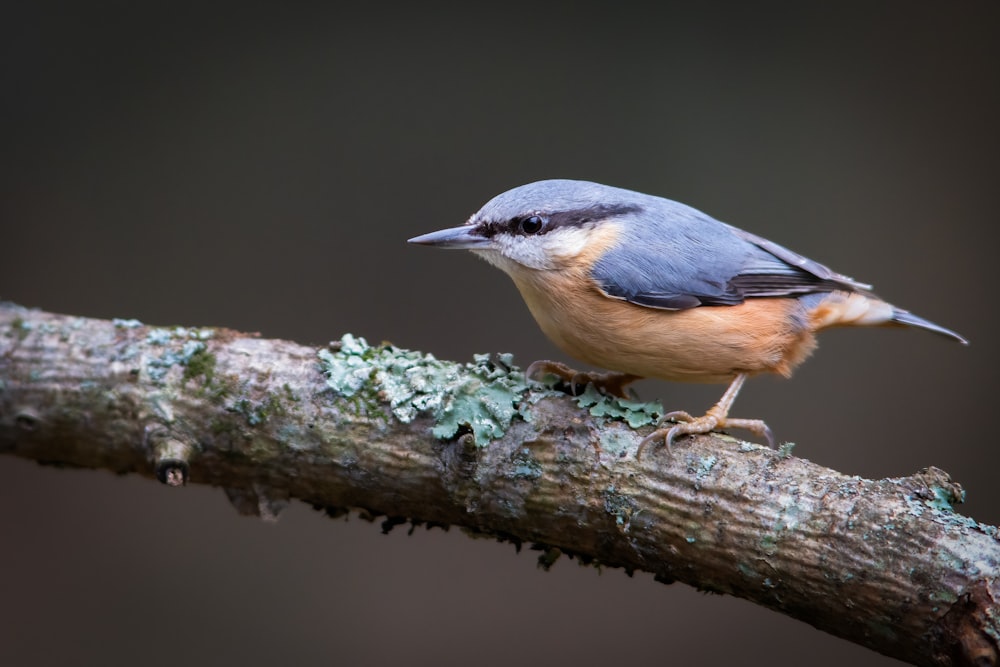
[(612, 384), (684, 422), (699, 426), (715, 418), (755, 426)]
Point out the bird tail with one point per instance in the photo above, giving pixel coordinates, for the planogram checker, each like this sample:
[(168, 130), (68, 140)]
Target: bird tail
[(831, 309), (906, 317)]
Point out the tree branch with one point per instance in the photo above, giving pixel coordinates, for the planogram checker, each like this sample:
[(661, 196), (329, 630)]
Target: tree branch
[(884, 563)]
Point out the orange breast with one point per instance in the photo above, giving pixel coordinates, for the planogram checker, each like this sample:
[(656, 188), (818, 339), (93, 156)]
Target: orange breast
[(705, 344)]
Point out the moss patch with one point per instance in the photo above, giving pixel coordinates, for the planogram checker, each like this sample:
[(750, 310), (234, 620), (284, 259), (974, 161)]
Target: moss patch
[(201, 363)]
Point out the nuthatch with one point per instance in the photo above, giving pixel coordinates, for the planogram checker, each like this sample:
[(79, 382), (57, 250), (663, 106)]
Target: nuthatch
[(649, 287)]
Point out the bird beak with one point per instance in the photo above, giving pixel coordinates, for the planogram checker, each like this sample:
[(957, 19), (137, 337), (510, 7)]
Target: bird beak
[(461, 238)]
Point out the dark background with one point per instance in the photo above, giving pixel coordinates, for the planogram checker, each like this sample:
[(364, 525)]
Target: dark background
[(260, 168)]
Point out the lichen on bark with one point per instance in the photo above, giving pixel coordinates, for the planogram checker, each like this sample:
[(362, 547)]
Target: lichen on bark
[(886, 563)]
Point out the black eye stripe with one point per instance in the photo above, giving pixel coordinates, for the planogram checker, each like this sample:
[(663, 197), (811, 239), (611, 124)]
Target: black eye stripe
[(582, 216), (551, 221)]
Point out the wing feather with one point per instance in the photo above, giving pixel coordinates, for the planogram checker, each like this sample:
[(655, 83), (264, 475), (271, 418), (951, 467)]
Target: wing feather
[(673, 257)]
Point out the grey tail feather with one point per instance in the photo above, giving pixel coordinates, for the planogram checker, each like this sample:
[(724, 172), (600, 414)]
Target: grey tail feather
[(906, 317)]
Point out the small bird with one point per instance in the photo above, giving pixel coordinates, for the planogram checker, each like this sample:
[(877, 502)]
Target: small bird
[(647, 287)]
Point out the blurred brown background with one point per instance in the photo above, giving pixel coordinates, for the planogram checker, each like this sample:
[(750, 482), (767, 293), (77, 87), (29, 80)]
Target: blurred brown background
[(260, 168)]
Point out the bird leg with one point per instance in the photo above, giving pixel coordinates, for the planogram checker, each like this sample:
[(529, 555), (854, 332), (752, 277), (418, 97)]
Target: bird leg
[(606, 383), (717, 417)]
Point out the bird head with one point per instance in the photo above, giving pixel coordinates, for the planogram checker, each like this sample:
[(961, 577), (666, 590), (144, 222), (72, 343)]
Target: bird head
[(542, 226)]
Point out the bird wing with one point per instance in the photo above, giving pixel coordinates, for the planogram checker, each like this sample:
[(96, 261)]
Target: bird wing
[(698, 261)]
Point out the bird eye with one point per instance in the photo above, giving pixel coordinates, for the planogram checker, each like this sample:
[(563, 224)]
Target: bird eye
[(531, 225)]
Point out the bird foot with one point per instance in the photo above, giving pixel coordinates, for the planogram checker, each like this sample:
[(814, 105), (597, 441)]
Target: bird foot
[(685, 424), (573, 382)]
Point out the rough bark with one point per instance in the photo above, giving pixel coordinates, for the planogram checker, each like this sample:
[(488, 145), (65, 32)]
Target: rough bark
[(885, 563)]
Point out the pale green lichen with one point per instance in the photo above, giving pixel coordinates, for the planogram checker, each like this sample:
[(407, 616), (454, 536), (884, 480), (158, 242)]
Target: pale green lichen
[(703, 466), (258, 412), (792, 513), (700, 467), (633, 413), (526, 466), (939, 508), (617, 441), (483, 396), (158, 336), (943, 499), (163, 336), (191, 354), (621, 506)]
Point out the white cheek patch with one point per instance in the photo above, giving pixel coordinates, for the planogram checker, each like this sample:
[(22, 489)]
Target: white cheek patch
[(557, 249), (563, 245), (528, 251), (549, 251)]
